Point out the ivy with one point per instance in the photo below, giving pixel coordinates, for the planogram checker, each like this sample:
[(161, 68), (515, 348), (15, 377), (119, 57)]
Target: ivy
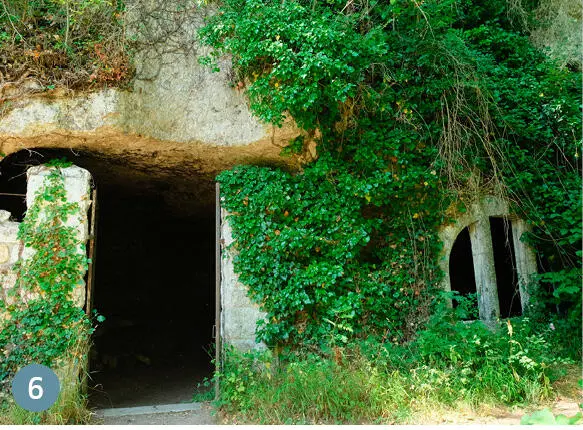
[(324, 52), (311, 258), (417, 105), (44, 324)]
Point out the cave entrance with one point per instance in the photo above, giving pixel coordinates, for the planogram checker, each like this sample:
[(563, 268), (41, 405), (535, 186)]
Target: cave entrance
[(154, 276)]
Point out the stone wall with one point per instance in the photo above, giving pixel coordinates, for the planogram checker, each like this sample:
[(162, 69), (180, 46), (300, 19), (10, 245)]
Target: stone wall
[(239, 315), (10, 252), (476, 218), (77, 183)]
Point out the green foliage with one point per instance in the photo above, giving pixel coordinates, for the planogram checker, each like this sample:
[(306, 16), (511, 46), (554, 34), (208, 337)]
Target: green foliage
[(204, 391), (41, 322), (302, 250), (418, 105), (546, 417), (59, 162), (451, 365), (305, 64), (74, 43), (513, 363), (294, 146), (255, 388)]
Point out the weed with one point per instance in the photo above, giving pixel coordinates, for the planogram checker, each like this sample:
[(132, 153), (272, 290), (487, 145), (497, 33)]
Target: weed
[(451, 365)]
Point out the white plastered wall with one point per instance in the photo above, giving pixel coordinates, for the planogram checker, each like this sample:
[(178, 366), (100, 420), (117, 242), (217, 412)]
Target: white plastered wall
[(239, 315)]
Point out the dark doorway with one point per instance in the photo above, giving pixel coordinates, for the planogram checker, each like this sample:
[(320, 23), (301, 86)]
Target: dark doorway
[(13, 184), (154, 279), (505, 264), (154, 286), (461, 266)]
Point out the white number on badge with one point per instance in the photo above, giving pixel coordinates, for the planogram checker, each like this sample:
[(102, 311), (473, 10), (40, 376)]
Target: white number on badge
[(35, 392)]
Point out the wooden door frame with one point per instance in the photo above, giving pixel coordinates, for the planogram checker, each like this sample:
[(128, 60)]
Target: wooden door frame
[(91, 254), (217, 327)]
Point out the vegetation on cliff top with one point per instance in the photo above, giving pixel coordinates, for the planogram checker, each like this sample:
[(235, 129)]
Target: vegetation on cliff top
[(48, 43)]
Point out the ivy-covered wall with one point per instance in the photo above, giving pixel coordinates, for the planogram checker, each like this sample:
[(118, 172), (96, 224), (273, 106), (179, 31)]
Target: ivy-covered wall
[(42, 289), (417, 106)]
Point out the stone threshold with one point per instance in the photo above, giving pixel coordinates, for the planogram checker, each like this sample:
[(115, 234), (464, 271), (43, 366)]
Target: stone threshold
[(145, 410)]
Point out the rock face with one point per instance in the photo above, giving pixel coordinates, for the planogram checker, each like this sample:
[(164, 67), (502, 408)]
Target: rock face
[(178, 118), (184, 102), (175, 127), (172, 97), (83, 113), (175, 97)]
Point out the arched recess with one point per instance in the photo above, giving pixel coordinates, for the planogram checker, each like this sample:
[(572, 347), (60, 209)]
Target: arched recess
[(477, 220), (461, 267)]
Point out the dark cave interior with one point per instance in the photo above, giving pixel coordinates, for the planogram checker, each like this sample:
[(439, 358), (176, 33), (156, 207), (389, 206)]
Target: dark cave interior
[(461, 266), (505, 264), (154, 278)]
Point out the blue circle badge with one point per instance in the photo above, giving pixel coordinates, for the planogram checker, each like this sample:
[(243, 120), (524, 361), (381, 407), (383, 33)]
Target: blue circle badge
[(35, 387)]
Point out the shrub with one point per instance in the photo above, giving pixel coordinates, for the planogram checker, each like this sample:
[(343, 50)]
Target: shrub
[(73, 43), (372, 382)]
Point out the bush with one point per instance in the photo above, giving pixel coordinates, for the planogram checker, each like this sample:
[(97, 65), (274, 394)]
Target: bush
[(73, 43), (510, 363)]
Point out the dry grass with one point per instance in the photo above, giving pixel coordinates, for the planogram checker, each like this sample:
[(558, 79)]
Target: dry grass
[(70, 407), (567, 400)]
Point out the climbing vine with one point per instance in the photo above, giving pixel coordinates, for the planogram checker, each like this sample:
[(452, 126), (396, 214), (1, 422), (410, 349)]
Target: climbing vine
[(418, 104), (42, 323), (323, 259)]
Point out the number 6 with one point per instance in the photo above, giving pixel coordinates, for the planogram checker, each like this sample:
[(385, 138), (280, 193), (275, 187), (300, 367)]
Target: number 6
[(38, 388)]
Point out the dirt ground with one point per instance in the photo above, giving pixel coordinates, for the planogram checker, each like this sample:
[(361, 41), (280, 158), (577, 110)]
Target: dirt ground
[(199, 417), (144, 387), (500, 416)]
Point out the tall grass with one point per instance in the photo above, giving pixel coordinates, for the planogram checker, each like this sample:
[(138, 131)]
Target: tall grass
[(71, 405), (453, 367)]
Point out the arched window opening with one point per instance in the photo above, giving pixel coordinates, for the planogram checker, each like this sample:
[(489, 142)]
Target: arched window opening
[(461, 266), (489, 241)]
